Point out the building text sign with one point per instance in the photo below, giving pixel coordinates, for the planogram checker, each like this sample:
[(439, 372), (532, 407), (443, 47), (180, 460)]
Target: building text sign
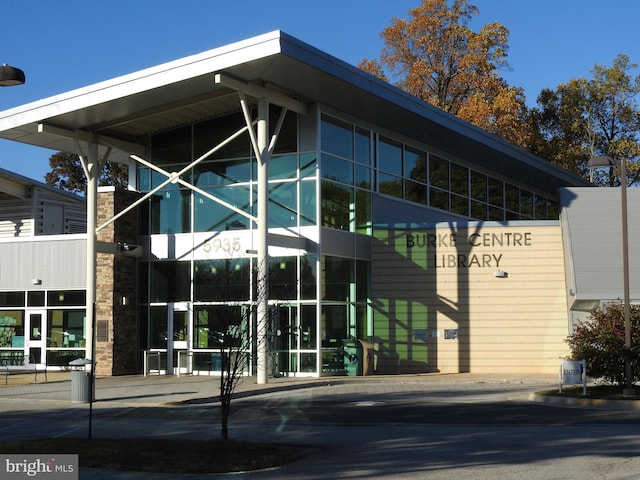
[(454, 250)]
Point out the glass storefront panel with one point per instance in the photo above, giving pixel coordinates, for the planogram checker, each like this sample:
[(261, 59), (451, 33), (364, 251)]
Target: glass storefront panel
[(283, 166), (35, 299), (171, 211), (170, 281), (222, 280), (208, 134), (11, 329), (459, 180), (415, 164), (362, 146), (283, 201), (308, 277), (173, 146), (337, 169), (66, 298), (336, 206), (308, 165), (390, 156), (438, 172), (283, 278), (308, 330), (337, 278), (158, 327), (209, 174), (336, 137), (415, 192), (390, 185), (65, 328), (363, 212), (12, 299), (307, 203), (211, 216)]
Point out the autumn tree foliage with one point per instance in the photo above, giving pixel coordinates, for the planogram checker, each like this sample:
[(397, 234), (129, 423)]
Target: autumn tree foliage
[(67, 173), (584, 118), (600, 341), (434, 55)]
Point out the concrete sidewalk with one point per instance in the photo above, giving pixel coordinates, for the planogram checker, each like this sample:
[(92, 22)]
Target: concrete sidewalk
[(158, 390)]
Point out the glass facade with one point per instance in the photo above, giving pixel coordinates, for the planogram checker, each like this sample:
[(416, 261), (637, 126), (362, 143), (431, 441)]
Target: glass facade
[(42, 327), (319, 304)]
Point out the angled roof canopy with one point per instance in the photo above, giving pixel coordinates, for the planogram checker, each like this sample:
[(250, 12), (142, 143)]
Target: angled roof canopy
[(123, 111)]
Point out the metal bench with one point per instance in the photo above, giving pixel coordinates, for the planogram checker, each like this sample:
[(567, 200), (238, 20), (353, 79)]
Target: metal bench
[(21, 364)]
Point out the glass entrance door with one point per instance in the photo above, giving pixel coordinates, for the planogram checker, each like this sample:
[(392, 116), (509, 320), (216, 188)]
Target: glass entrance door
[(34, 333), (170, 339), (179, 345), (286, 340)]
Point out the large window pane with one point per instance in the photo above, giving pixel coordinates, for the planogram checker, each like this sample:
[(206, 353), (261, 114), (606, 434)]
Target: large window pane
[(170, 212), (390, 185), (210, 133), (459, 180), (65, 328), (308, 277), (283, 166), (336, 169), (526, 203), (288, 135), (308, 165), (335, 327), (415, 165), (439, 199), (222, 172), (170, 281), (415, 192), (336, 137), (221, 280), (11, 329), (390, 156), (363, 212), (172, 147), (307, 203), (438, 172), (283, 204), (363, 176), (210, 215), (336, 206), (496, 192), (512, 200), (308, 327), (363, 146), (282, 278), (337, 278), (478, 186)]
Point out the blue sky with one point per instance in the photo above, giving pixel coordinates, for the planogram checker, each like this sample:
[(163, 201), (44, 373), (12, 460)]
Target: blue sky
[(68, 44)]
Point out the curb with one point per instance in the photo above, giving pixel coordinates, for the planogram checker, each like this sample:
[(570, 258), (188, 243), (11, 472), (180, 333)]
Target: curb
[(585, 402)]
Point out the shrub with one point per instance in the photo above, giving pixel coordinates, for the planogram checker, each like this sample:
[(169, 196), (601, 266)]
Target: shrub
[(600, 341)]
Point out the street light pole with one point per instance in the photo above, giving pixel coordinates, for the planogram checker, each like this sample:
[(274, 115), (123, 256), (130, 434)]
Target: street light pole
[(605, 161)]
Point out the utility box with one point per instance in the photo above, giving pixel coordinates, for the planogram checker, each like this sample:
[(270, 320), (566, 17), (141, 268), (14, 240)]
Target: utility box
[(81, 384)]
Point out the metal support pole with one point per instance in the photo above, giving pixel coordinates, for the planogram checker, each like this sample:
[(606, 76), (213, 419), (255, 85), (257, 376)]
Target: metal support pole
[(92, 171), (629, 390), (262, 242)]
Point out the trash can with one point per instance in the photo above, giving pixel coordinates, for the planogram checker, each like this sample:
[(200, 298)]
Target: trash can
[(352, 356), (80, 381)]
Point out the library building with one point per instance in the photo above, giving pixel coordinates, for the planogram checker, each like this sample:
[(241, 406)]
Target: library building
[(287, 206)]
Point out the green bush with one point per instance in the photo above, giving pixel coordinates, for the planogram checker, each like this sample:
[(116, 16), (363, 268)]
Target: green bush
[(600, 341)]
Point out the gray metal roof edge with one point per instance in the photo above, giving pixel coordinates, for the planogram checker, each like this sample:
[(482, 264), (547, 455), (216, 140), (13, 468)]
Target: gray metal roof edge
[(306, 53), (41, 185)]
